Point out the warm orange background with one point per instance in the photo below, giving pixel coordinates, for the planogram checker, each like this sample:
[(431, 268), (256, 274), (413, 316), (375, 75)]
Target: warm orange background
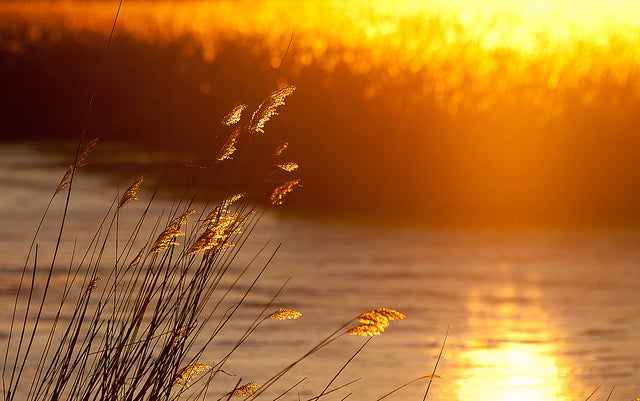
[(464, 113)]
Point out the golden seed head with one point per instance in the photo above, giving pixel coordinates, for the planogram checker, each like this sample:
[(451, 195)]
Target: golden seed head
[(167, 237), (278, 194), (389, 313), (246, 389), (80, 161), (229, 146), (290, 166), (217, 233), (136, 260), (234, 115), (131, 193), (186, 374), (93, 284), (268, 108), (366, 330), (221, 209), (280, 149), (371, 317), (65, 179), (285, 314), (373, 322), (183, 333)]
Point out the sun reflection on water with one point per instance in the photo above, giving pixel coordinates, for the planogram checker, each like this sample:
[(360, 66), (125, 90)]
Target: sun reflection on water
[(510, 372), (510, 353), (464, 56)]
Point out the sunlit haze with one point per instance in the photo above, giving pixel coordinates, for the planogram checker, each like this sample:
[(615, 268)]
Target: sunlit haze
[(474, 54)]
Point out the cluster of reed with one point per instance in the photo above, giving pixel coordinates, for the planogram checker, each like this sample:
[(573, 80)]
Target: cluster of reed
[(137, 327)]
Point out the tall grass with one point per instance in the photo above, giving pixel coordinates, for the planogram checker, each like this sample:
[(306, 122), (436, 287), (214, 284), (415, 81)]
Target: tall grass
[(137, 310)]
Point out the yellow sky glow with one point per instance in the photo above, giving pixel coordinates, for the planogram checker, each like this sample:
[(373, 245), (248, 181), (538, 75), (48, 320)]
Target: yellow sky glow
[(471, 55)]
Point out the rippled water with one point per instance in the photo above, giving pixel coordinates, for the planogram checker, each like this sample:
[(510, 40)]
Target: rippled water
[(544, 315), (531, 315)]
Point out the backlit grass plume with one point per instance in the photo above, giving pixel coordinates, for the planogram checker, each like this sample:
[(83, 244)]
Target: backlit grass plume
[(373, 318), (246, 389), (278, 194), (185, 375), (136, 260), (168, 235), (229, 147), (280, 149), (366, 330), (93, 284), (221, 209), (81, 161), (217, 234), (268, 108), (234, 115), (285, 314), (131, 194), (289, 167), (388, 313), (183, 333), (373, 322)]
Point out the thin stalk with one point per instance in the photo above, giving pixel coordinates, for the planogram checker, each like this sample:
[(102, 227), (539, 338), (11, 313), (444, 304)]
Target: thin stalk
[(435, 367), (592, 393), (323, 392)]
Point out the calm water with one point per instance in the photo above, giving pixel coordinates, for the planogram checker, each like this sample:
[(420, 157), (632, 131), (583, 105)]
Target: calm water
[(531, 315)]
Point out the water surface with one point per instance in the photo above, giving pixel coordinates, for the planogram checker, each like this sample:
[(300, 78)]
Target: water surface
[(533, 315)]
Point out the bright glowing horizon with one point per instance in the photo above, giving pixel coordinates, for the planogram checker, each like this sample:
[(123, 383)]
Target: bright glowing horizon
[(468, 56)]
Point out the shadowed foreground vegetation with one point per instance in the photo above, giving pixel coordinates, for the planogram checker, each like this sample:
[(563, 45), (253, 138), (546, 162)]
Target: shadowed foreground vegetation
[(137, 314)]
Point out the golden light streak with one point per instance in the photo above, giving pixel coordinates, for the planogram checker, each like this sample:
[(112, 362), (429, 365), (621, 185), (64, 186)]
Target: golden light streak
[(517, 360), (510, 372)]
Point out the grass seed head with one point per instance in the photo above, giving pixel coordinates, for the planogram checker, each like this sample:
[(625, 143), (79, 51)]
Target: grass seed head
[(389, 313), (246, 389), (366, 330), (278, 194), (285, 314), (131, 194), (183, 334), (374, 321), (189, 372), (217, 234), (134, 263), (221, 209), (290, 166), (229, 146), (93, 284), (234, 115), (65, 179), (280, 149), (168, 235), (268, 108), (370, 317), (80, 161)]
